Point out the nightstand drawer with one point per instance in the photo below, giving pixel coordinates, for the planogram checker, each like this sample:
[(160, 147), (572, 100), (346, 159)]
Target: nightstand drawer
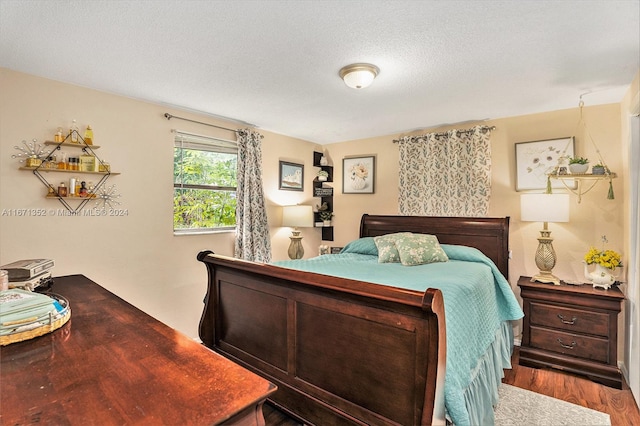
[(570, 319), (592, 348)]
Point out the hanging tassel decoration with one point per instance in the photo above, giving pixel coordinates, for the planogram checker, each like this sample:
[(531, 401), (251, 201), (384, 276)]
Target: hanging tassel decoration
[(610, 194)]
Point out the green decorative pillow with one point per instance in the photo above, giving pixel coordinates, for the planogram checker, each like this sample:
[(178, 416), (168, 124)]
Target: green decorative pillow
[(387, 251), (364, 245), (418, 249)]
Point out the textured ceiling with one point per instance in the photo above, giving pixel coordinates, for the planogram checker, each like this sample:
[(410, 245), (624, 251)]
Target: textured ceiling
[(275, 63)]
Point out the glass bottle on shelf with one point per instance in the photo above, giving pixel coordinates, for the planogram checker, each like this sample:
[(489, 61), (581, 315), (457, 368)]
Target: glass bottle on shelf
[(62, 160), (62, 190), (88, 136), (83, 189), (75, 132)]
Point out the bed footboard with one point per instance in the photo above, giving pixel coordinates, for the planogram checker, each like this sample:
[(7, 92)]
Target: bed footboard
[(341, 351)]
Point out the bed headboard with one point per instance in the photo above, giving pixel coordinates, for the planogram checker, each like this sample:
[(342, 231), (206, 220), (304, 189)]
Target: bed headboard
[(489, 235)]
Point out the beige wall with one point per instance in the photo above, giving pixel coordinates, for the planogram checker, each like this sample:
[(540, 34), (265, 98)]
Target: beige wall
[(590, 219), (138, 257), (135, 256)]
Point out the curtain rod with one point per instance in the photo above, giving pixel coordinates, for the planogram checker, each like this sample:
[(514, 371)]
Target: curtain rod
[(169, 117), (438, 135)]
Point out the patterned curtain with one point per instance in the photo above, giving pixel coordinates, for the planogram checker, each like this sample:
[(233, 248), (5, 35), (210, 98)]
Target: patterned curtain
[(446, 174), (252, 230)]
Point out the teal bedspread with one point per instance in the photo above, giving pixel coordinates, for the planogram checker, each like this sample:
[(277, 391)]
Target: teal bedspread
[(478, 303)]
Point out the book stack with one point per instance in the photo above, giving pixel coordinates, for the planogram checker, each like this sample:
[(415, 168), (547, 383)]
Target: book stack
[(29, 273)]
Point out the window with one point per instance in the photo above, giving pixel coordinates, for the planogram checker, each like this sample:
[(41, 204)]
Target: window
[(204, 184)]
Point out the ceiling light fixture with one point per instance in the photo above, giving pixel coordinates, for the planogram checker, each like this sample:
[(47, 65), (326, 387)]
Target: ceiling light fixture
[(359, 76)]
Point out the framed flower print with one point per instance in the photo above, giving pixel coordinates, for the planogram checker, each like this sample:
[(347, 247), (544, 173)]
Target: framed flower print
[(359, 175), (535, 160)]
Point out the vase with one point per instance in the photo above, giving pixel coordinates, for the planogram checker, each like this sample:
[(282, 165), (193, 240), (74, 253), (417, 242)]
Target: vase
[(600, 277), (578, 169), (357, 183)]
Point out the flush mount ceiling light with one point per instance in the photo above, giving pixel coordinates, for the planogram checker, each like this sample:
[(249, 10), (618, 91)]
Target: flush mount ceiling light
[(359, 76)]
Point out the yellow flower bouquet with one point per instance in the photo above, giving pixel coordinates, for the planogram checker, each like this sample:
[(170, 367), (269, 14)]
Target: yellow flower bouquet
[(610, 259)]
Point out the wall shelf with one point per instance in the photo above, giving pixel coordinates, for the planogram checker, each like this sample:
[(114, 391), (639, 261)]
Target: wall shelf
[(325, 193), (94, 163), (44, 169), (584, 181), (71, 144)]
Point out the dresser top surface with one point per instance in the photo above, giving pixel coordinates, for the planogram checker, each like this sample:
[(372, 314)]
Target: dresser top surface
[(114, 364), (585, 289)]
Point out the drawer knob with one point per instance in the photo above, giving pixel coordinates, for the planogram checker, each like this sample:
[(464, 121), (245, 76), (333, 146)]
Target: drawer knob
[(564, 321), (571, 346)]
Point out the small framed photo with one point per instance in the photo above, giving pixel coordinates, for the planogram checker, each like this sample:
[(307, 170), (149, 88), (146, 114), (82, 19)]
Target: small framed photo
[(535, 160), (359, 175), (291, 176)]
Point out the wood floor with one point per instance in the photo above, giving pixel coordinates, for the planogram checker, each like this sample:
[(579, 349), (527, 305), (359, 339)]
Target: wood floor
[(619, 404)]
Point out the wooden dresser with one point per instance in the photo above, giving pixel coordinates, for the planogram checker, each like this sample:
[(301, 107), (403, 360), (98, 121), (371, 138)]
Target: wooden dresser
[(571, 328), (112, 364)]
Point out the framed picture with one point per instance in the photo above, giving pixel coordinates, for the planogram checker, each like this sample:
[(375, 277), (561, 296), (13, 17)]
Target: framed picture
[(358, 175), (535, 160), (291, 176)]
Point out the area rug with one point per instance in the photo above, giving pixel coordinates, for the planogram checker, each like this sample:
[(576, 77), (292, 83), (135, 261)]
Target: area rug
[(520, 407)]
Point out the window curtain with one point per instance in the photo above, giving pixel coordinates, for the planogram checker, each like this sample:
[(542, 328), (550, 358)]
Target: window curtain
[(252, 230), (446, 174)]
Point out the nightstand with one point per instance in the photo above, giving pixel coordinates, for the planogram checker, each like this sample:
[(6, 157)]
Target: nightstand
[(571, 328)]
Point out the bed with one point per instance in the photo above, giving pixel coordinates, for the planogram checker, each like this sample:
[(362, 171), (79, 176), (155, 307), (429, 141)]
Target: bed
[(348, 350)]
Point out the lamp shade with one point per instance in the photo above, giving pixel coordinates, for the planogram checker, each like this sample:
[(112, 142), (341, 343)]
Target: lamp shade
[(544, 207), (297, 216), (359, 76)]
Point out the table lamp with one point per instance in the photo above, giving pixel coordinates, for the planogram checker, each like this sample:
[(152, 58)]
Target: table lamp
[(297, 216), (545, 208)]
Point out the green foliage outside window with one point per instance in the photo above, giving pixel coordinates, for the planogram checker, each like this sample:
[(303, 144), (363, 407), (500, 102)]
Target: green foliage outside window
[(204, 195)]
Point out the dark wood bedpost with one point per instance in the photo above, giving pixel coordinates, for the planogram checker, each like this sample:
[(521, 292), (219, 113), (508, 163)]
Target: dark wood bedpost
[(206, 329), (433, 409)]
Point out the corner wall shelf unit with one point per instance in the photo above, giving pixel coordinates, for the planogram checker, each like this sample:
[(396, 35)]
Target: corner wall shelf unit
[(325, 193), (101, 170)]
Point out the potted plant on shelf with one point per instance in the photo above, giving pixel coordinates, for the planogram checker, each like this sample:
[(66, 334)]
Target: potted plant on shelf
[(578, 165), (598, 169), (322, 175), (326, 216)]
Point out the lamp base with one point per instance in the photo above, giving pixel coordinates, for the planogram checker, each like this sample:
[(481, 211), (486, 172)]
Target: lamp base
[(546, 277), (296, 251), (545, 258)]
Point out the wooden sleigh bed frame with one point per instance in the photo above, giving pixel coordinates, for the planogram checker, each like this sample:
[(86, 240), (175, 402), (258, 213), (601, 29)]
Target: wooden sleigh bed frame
[(343, 351)]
